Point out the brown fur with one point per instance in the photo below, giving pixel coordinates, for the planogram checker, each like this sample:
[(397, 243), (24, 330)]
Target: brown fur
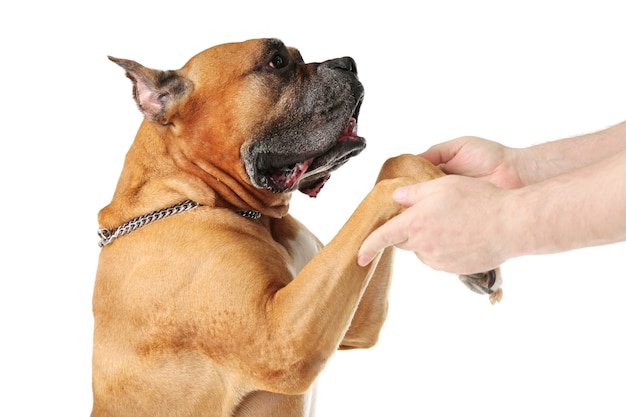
[(208, 313)]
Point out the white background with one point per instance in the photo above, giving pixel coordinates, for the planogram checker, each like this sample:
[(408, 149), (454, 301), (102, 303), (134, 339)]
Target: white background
[(516, 72)]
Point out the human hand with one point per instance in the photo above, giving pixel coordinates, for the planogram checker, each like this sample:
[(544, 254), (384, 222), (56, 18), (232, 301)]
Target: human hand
[(453, 223), (478, 158)]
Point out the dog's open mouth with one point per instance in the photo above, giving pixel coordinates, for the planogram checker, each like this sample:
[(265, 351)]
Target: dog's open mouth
[(310, 174)]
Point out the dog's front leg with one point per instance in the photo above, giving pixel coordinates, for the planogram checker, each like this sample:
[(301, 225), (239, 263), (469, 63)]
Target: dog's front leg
[(372, 311), (312, 314), (333, 302)]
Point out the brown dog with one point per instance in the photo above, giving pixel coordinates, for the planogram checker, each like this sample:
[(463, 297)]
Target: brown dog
[(225, 305)]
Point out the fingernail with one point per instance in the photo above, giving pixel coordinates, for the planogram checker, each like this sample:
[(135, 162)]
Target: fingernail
[(363, 260), (400, 194)]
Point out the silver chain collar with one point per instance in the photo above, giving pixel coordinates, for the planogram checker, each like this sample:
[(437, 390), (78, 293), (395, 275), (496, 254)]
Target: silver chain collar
[(106, 236), (250, 214)]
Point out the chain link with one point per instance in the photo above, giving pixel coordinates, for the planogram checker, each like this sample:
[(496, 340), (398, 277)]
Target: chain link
[(250, 214), (106, 236)]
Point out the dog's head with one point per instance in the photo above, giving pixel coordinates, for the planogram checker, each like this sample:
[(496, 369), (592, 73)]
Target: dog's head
[(256, 111), (313, 126)]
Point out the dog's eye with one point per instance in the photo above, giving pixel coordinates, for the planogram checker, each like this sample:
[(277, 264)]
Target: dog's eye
[(277, 62)]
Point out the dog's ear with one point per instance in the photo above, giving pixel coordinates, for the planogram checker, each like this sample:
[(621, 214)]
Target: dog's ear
[(154, 91)]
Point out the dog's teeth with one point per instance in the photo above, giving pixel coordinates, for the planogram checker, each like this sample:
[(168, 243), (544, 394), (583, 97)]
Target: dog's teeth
[(351, 128)]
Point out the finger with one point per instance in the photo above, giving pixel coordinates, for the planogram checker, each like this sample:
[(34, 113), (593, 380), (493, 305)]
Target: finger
[(389, 234), (442, 152), (401, 195), (409, 195)]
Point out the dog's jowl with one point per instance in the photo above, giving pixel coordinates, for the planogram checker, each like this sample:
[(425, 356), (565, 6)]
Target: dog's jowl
[(210, 299)]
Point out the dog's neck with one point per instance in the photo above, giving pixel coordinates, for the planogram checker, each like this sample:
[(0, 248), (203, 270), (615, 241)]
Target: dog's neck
[(179, 178), (107, 235)]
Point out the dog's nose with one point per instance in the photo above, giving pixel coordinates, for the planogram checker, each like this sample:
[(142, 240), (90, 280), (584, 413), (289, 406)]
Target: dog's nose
[(346, 63)]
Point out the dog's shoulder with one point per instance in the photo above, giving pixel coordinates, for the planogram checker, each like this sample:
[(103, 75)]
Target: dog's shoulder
[(299, 242)]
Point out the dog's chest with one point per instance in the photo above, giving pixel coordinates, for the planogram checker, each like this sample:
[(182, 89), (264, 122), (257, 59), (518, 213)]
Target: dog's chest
[(301, 247)]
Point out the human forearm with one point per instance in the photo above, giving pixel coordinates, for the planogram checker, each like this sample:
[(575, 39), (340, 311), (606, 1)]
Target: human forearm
[(550, 159), (583, 207), (465, 225)]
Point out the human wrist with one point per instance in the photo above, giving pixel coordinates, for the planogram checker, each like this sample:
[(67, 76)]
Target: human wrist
[(542, 217), (537, 219), (516, 220), (528, 165)]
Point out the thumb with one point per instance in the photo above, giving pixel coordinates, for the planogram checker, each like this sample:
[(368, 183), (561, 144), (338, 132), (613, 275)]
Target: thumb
[(443, 152), (407, 195), (389, 234)]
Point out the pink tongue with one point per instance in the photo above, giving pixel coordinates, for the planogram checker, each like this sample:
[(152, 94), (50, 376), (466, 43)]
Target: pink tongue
[(314, 191), (288, 179)]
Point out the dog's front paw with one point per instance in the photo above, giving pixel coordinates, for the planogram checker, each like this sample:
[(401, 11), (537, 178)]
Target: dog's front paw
[(412, 166), (489, 282)]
